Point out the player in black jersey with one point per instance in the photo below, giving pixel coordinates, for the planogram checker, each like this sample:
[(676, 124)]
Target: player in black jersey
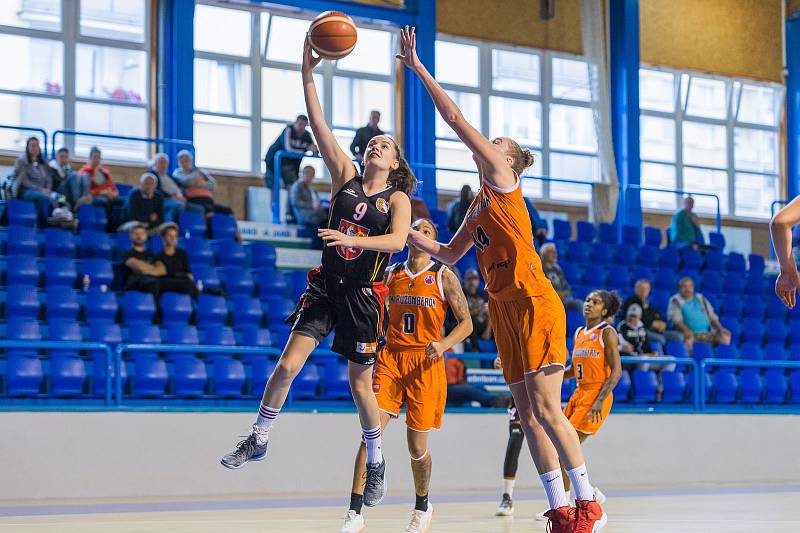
[(369, 219)]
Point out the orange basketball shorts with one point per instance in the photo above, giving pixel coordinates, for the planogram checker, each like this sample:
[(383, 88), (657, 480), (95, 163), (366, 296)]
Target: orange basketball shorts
[(579, 406), (530, 334), (410, 379)]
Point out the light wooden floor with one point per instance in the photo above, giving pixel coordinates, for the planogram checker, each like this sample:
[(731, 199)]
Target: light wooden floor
[(761, 510)]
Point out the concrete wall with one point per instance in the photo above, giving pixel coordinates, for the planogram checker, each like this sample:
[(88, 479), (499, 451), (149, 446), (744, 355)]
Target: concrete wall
[(71, 455)]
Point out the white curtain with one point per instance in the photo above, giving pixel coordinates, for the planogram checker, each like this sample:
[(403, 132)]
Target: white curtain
[(594, 27)]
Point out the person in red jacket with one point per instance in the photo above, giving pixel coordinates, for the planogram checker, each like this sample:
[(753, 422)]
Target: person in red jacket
[(102, 188)]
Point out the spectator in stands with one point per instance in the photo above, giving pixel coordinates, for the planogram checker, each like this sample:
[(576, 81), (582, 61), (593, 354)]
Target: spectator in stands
[(478, 303), (178, 276), (198, 185), (651, 316), (145, 205), (685, 228), (633, 334), (419, 209), (102, 190), (62, 168), (33, 179), (364, 135), (460, 392), (692, 314), (174, 200), (553, 271), (457, 209), (141, 267), (304, 200), (294, 138), (538, 225)]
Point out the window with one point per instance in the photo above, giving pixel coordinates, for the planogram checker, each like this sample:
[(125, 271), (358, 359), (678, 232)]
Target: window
[(538, 98), (719, 137), (104, 45), (250, 93)]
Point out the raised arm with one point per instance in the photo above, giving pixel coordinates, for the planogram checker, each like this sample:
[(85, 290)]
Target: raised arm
[(499, 172), (446, 253), (339, 164), (780, 229), (390, 243), (454, 295), (613, 361)]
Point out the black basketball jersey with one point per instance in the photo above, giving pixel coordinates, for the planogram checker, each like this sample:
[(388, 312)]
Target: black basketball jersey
[(354, 213)]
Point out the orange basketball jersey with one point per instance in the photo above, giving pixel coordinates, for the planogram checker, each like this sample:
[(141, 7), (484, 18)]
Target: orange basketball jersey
[(417, 307), (501, 228), (589, 358)]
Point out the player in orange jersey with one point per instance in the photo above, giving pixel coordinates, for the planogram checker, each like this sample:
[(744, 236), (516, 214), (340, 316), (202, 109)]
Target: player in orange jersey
[(533, 351), (780, 228), (410, 369)]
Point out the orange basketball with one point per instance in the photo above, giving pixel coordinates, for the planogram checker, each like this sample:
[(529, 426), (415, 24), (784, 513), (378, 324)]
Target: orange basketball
[(333, 35)]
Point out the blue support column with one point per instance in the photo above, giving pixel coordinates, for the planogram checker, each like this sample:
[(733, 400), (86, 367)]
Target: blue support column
[(176, 72), (624, 80), (793, 106)]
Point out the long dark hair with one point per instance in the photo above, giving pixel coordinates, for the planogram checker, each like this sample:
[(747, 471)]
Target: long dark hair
[(39, 159), (402, 177)]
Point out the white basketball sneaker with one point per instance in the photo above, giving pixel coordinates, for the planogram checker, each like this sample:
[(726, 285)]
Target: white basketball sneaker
[(420, 521), (506, 507), (353, 523), (599, 497)]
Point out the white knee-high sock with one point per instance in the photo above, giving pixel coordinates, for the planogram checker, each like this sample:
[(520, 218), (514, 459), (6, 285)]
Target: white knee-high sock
[(372, 438), (554, 488), (580, 483), (266, 417), (508, 487)]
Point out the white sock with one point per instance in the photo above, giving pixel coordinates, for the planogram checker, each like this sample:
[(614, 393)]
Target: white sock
[(580, 483), (508, 487), (554, 488), (372, 437), (266, 417)]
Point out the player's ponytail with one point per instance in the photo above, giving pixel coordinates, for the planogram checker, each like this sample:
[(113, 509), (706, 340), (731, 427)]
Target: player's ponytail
[(611, 302), (523, 158), (402, 177)]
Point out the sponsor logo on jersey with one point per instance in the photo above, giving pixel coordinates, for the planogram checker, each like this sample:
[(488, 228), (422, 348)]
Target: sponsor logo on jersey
[(382, 205), (366, 347), (353, 230), (593, 337), (429, 279), (351, 192), (410, 299)]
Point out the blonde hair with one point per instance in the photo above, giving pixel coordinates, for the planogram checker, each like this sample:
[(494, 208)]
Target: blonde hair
[(522, 157)]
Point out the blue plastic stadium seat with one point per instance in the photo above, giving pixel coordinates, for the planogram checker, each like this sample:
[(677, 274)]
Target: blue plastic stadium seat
[(262, 369), (192, 224), (775, 386), (751, 350), (754, 284), (58, 242), (567, 388), (669, 258), (648, 256), (674, 386), (326, 343), (631, 235), (337, 386), (262, 254), (794, 385), (666, 280), (22, 301), (439, 217), (223, 227), (305, 384), (177, 308), (562, 230), (92, 218), (700, 350), (143, 333), (207, 275), (253, 336), (272, 283), (578, 251), (623, 387), (229, 377), (150, 376), (237, 280), (22, 270), (715, 261), (211, 309), (24, 374), (692, 259), (190, 377), (199, 251), (752, 330), (487, 345), (571, 271), (753, 306), (218, 335), (182, 334), (246, 311), (733, 283), (595, 277), (122, 243), (736, 263), (710, 282), (645, 386), (776, 311), (279, 334), (95, 244), (727, 351), (586, 231), (776, 331), (625, 254), (732, 306), (725, 385), (601, 252), (155, 244), (138, 306), (690, 273), (717, 240), (67, 374), (109, 333), (752, 385), (62, 303), (640, 272), (607, 233), (677, 349), (231, 253), (298, 279), (775, 351), (101, 305), (21, 214), (467, 262), (60, 271), (757, 264), (574, 321), (653, 236), (619, 278), (99, 271)]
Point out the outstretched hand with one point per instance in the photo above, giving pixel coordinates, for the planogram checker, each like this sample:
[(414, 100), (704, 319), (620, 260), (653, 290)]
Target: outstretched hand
[(408, 48), (335, 238), (309, 59), (786, 286)]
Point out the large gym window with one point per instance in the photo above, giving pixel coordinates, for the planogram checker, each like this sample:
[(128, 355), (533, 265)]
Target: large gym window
[(247, 83), (712, 135), (539, 98), (79, 65)]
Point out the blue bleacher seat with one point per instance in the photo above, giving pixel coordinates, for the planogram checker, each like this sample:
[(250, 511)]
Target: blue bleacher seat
[(775, 351), (595, 277), (337, 385), (100, 271), (58, 242), (24, 374), (22, 328), (298, 279), (67, 373), (775, 331), (231, 253), (725, 385), (645, 386), (211, 309), (751, 350), (229, 377), (262, 369), (717, 240), (653, 236), (677, 349), (279, 333), (253, 336), (95, 244), (673, 386), (607, 233), (623, 387), (305, 384), (246, 311), (752, 385), (625, 254), (122, 243), (631, 235), (326, 343), (794, 385), (109, 333), (101, 305), (715, 261), (660, 300), (640, 272), (727, 351), (775, 386), (574, 321), (567, 388), (60, 271), (21, 214), (691, 259), (262, 254), (271, 283), (199, 251), (182, 334), (710, 282), (22, 270), (223, 227), (735, 263), (207, 275), (487, 345), (754, 284), (62, 303), (138, 306), (92, 218), (218, 335), (690, 273), (700, 350), (22, 301), (177, 308), (619, 279), (578, 251), (149, 378), (753, 306), (192, 224), (752, 330), (669, 258), (155, 244), (469, 261), (237, 280), (777, 312), (733, 283), (571, 271), (731, 306), (666, 280), (190, 377), (585, 231), (562, 230), (756, 264), (105, 331), (601, 252), (439, 217), (648, 256), (143, 333)]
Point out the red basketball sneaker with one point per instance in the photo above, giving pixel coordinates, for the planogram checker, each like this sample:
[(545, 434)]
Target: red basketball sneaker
[(589, 517), (560, 520)]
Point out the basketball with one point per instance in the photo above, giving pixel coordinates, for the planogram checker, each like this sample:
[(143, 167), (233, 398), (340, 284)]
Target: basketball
[(333, 35)]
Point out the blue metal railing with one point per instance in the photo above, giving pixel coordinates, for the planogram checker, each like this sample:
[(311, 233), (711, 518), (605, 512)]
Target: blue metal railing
[(150, 140), (711, 362), (36, 130), (679, 191)]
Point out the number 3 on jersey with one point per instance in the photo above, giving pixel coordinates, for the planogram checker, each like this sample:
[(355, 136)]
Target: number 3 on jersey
[(579, 371), (480, 238)]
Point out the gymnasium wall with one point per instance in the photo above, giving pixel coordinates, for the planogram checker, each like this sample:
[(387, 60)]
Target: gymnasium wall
[(139, 454)]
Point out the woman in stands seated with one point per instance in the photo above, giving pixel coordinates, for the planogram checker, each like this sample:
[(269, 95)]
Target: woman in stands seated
[(33, 179), (369, 220), (102, 188), (198, 185)]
